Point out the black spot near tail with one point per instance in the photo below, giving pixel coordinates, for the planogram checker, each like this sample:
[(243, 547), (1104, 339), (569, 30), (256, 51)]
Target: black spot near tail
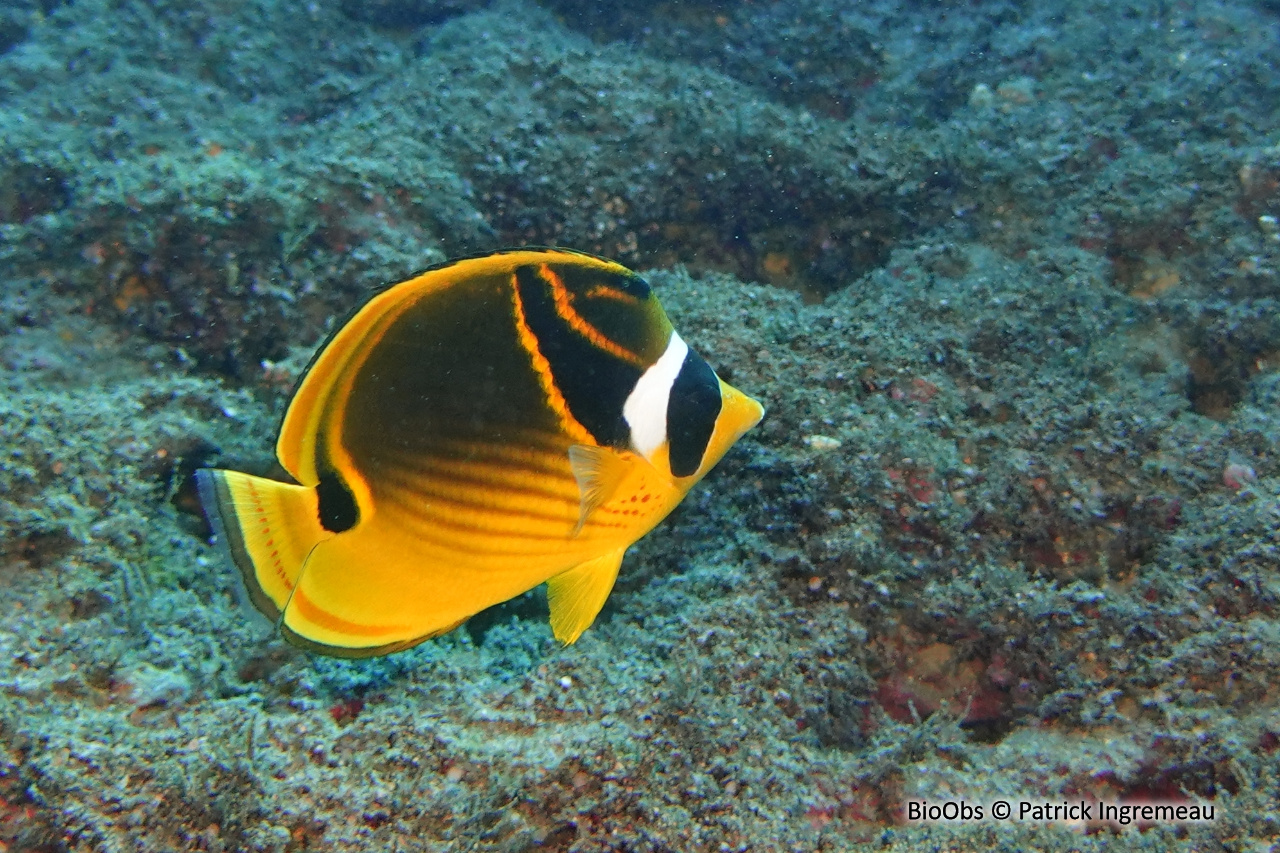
[(338, 511)]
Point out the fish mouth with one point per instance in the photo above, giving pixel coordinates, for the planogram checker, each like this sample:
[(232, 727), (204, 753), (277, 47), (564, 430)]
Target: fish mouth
[(738, 414)]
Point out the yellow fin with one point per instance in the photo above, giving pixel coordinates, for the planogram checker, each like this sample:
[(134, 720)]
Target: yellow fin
[(267, 526), (577, 595), (598, 471), (369, 591)]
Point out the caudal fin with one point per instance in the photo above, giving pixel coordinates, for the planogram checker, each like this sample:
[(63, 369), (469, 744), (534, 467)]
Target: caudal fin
[(267, 526)]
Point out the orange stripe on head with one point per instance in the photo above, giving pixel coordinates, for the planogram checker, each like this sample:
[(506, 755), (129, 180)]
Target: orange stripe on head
[(564, 307), (604, 291), (542, 368)]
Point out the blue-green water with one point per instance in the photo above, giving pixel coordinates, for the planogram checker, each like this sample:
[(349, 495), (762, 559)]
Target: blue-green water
[(1004, 276)]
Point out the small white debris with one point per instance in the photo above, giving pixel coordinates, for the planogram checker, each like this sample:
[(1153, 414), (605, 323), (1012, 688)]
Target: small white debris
[(822, 443), (981, 97)]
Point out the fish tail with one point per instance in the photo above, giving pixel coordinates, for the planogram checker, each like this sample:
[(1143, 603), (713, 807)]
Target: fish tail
[(268, 527)]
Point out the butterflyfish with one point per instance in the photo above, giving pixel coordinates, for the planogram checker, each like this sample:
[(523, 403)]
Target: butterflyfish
[(489, 425)]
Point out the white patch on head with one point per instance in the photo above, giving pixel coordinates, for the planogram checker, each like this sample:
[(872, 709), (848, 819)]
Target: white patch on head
[(646, 408)]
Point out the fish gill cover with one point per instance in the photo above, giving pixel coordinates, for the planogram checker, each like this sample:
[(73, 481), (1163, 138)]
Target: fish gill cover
[(1004, 277)]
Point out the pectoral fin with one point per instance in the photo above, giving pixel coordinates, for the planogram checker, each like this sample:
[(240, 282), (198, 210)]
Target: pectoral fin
[(577, 595), (598, 471)]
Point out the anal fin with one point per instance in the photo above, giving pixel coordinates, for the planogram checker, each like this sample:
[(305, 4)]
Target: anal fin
[(576, 595)]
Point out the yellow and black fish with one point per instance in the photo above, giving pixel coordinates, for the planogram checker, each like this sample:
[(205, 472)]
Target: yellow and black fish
[(484, 427)]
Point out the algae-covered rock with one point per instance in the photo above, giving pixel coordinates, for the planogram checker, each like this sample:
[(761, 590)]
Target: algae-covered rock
[(407, 13)]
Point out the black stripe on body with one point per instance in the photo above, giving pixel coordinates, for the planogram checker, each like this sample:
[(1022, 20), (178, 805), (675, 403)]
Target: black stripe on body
[(447, 531), (594, 384), (468, 478), (474, 497), (692, 412), (449, 380), (494, 469)]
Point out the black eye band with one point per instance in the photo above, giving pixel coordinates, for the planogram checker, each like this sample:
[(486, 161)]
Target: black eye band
[(691, 414)]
